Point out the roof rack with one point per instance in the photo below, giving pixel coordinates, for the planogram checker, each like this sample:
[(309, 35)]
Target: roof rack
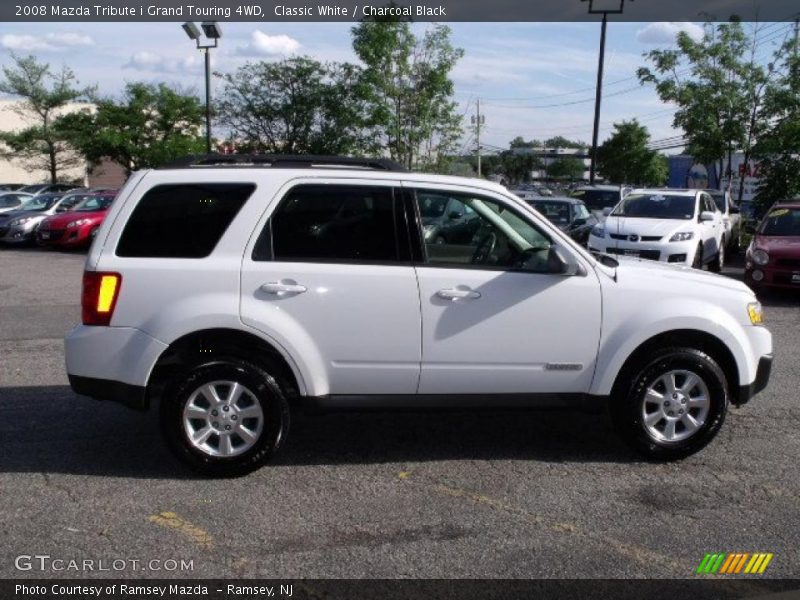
[(283, 161)]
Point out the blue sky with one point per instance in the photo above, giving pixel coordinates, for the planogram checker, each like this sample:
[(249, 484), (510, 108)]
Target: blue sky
[(533, 79)]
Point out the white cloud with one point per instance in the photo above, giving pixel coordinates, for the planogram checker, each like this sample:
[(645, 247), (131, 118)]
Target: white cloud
[(665, 32), (262, 44), (152, 62), (69, 38), (50, 42)]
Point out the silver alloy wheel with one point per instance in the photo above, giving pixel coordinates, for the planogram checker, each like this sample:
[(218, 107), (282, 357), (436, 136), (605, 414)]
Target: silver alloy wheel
[(675, 406), (223, 419)]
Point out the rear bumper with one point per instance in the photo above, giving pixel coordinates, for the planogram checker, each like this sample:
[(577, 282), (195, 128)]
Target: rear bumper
[(746, 392), (132, 396)]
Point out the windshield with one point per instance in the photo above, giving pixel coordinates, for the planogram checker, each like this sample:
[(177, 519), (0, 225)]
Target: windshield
[(33, 188), (656, 206), (94, 203), (556, 212), (597, 199), (782, 221), (42, 202), (432, 207)]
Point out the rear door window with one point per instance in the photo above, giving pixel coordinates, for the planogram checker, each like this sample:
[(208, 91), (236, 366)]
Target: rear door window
[(183, 220), (333, 223)]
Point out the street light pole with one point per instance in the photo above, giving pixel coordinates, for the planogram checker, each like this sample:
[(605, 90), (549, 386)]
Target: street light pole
[(212, 31), (599, 91)]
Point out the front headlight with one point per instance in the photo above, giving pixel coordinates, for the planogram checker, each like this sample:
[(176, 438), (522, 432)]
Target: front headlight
[(20, 221), (755, 313), (682, 236), (78, 223), (599, 231), (760, 257)]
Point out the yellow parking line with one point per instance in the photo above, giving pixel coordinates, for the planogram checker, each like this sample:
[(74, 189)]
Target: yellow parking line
[(171, 520), (764, 564)]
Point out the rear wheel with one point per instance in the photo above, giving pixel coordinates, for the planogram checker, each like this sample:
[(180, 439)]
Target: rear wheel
[(224, 418), (674, 406)]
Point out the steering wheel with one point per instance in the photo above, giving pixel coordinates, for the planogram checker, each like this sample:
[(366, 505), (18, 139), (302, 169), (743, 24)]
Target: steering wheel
[(485, 249)]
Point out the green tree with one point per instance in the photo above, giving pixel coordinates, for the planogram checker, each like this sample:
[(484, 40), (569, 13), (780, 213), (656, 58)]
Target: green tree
[(409, 90), (778, 148), (625, 158), (43, 96), (149, 126), (296, 106), (718, 87), (562, 142), (567, 167)]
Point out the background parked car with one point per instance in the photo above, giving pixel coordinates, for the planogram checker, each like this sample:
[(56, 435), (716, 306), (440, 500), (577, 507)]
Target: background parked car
[(47, 188), (10, 187), (568, 214), (773, 257), (600, 199), (77, 227), (675, 226), (447, 220), (731, 217), (19, 226), (12, 200)]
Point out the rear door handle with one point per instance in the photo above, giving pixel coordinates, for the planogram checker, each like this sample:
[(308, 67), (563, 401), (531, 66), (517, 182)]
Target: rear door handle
[(283, 288), (458, 294)]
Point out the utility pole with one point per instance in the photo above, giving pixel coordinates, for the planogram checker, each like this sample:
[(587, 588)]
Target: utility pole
[(478, 120), (599, 91)]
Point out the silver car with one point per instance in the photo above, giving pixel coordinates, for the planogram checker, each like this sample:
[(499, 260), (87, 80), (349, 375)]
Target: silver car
[(19, 226)]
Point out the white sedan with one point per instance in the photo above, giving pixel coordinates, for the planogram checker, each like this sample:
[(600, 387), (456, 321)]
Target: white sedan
[(673, 226)]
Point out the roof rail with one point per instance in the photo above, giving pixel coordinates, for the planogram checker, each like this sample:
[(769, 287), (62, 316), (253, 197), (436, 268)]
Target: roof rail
[(282, 161)]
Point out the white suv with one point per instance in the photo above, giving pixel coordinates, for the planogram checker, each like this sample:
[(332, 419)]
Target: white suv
[(236, 289), (674, 226)]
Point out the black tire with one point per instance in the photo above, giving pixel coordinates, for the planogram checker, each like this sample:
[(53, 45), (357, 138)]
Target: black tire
[(697, 263), (265, 390), (718, 263), (628, 399)]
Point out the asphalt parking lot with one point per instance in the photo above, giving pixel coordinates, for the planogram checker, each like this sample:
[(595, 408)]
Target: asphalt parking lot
[(480, 495)]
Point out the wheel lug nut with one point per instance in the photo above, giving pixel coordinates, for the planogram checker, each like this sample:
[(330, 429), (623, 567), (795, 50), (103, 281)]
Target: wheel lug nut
[(680, 412), (683, 400), (666, 403), (214, 413), (671, 414), (225, 408), (215, 425), (234, 417), (227, 427), (675, 396)]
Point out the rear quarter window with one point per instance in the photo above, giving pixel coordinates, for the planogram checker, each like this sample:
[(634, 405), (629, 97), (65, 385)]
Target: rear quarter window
[(182, 220)]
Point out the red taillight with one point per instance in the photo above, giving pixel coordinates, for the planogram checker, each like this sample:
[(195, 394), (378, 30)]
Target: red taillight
[(99, 297)]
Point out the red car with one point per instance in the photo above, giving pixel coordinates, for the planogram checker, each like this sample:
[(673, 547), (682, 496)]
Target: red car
[(77, 227), (773, 258)]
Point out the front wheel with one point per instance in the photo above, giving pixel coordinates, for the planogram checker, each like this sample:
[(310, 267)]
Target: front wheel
[(718, 263), (674, 406), (225, 417), (697, 263)]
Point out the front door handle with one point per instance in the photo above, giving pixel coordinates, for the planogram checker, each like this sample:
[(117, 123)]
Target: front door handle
[(283, 288), (458, 294)]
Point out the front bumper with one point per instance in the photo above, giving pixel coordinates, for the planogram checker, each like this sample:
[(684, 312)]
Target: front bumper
[(772, 276), (746, 392), (16, 234), (669, 252)]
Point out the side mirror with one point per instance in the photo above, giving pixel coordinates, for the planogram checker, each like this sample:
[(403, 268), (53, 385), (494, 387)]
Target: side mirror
[(453, 216), (559, 264), (706, 215), (607, 210), (579, 222), (61, 209)]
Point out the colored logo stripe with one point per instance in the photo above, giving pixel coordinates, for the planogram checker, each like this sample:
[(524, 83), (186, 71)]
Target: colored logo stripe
[(734, 563)]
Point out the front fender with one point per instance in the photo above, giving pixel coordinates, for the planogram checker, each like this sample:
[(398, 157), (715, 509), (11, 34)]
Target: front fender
[(619, 340)]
